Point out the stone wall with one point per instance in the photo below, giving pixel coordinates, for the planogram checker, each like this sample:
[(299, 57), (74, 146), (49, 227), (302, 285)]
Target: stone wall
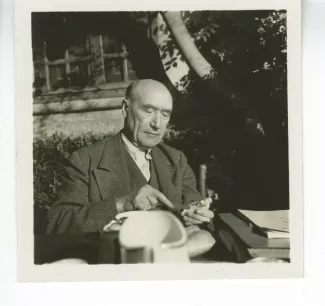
[(99, 113), (75, 124)]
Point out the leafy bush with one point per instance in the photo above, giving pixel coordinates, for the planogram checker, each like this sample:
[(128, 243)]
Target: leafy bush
[(49, 159)]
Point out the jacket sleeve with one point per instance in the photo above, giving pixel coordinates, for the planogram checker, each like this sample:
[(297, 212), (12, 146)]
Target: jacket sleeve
[(73, 212), (189, 188)]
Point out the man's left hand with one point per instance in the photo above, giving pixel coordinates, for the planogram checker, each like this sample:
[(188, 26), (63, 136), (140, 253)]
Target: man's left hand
[(199, 216)]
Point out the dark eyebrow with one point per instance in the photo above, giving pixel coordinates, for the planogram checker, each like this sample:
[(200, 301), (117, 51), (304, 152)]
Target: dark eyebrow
[(148, 105)]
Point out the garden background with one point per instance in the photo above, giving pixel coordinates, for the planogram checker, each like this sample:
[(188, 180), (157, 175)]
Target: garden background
[(226, 70)]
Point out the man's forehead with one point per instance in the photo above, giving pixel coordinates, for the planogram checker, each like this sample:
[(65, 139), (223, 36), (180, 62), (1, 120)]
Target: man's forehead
[(146, 89)]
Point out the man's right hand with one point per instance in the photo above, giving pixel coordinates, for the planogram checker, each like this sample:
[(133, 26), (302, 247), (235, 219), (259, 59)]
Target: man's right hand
[(145, 198)]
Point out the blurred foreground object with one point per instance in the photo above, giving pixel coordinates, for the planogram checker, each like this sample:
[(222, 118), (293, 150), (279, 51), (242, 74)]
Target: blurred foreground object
[(69, 261), (153, 237), (199, 241), (266, 260)]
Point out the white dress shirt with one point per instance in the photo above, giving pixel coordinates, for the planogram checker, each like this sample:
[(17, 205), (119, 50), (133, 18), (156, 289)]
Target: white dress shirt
[(141, 157)]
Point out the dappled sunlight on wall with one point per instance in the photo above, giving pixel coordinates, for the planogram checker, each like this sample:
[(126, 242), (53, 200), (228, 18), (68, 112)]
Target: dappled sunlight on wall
[(75, 124)]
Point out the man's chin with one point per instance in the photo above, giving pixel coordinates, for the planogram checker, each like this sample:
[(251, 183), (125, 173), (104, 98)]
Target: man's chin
[(149, 144)]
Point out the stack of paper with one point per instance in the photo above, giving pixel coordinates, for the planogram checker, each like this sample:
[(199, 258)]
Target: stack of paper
[(276, 234), (275, 224)]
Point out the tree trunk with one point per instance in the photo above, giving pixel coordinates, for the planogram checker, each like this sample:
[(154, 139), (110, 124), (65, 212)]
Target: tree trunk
[(186, 44)]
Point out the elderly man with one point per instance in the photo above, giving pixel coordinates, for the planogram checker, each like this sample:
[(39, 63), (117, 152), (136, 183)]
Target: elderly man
[(133, 170)]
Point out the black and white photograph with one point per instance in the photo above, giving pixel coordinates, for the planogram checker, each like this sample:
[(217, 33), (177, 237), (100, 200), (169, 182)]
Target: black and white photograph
[(162, 137)]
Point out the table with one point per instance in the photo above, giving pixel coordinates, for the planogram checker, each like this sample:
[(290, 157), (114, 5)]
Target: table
[(236, 242), (93, 248), (49, 248)]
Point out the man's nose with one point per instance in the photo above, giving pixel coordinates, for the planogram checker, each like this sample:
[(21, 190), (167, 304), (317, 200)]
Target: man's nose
[(156, 121)]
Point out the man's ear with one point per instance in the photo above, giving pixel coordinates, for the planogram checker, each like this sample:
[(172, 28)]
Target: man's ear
[(124, 107)]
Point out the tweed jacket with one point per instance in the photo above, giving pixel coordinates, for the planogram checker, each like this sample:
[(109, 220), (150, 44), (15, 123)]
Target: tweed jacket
[(99, 174)]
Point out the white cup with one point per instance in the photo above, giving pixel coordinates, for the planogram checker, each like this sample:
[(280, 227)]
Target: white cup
[(153, 236)]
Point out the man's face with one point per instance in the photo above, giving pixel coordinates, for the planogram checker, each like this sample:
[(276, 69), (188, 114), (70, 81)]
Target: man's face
[(147, 116)]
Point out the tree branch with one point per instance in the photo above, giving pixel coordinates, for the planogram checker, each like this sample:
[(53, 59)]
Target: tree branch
[(185, 42)]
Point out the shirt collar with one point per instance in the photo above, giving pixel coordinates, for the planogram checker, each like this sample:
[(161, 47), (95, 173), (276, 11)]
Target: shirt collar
[(134, 150)]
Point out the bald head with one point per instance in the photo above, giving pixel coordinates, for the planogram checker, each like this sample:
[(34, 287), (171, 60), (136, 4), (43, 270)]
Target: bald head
[(147, 108), (140, 88)]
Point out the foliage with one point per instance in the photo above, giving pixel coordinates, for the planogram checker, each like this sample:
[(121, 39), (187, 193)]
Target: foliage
[(248, 52), (238, 45), (49, 159)]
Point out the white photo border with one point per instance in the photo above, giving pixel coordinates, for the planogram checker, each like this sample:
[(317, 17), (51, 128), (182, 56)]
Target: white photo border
[(29, 272)]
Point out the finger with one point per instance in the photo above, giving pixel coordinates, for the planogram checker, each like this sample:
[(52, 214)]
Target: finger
[(211, 193), (206, 202), (205, 213), (153, 201), (191, 220), (162, 198), (157, 194), (198, 217), (142, 203)]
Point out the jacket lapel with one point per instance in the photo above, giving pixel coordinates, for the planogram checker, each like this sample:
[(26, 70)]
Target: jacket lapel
[(113, 178), (117, 174), (111, 174), (165, 173)]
